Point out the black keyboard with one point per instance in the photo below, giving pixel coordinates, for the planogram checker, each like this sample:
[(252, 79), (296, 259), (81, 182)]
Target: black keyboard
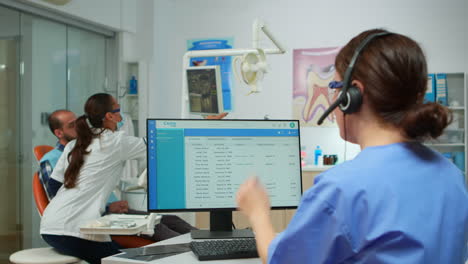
[(225, 249)]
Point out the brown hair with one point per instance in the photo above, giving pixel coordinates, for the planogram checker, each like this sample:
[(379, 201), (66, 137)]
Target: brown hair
[(54, 121), (95, 109), (394, 72)]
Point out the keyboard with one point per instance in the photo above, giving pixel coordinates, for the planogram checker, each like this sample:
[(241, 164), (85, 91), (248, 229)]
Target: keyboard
[(225, 249)]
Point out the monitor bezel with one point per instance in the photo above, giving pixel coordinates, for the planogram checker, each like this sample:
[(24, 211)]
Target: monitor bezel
[(227, 208), (219, 88)]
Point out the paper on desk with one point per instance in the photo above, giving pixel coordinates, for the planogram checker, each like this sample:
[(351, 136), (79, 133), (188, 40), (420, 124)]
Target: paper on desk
[(145, 258), (113, 225), (154, 252)]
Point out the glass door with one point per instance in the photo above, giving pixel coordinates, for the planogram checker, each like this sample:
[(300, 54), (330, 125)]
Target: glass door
[(43, 90), (44, 66), (10, 225), (86, 67)]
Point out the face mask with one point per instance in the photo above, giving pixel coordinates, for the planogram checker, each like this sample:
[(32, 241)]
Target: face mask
[(120, 124)]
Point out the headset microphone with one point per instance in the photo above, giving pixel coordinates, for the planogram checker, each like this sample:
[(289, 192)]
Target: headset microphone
[(350, 99), (329, 110)]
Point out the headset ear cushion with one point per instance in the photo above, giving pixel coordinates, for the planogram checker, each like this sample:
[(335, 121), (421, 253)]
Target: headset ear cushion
[(354, 100)]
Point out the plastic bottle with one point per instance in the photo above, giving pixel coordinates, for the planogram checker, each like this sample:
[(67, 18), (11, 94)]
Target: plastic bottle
[(303, 156), (133, 86), (317, 156)]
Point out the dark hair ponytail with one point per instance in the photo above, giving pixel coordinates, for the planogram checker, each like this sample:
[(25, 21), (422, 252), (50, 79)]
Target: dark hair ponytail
[(76, 156), (426, 121), (96, 108)]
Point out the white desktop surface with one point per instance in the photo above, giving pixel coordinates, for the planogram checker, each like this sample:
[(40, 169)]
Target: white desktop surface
[(187, 257)]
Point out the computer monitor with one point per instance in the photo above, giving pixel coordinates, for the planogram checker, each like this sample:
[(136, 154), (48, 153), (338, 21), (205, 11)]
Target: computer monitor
[(199, 164), (205, 90)]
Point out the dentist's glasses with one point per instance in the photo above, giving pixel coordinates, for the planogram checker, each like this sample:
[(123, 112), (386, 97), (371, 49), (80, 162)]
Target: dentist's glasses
[(335, 85)]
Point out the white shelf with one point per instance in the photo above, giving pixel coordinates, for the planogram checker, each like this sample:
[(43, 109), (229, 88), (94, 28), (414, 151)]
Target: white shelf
[(445, 144), (458, 108), (448, 129), (316, 168), (457, 99)]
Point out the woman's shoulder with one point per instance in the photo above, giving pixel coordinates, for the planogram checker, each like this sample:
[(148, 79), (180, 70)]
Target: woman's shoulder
[(124, 136), (344, 181), (69, 146), (338, 173), (109, 135), (115, 134), (119, 138)]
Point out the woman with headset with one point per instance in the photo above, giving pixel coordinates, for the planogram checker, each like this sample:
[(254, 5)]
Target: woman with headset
[(397, 201)]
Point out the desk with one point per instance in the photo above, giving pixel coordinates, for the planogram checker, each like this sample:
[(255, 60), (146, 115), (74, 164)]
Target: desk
[(187, 257)]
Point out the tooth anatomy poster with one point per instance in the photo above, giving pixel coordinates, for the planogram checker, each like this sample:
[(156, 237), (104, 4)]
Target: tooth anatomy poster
[(313, 69)]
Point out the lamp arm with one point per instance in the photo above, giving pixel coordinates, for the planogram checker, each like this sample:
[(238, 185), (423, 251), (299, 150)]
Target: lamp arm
[(256, 29), (273, 39)]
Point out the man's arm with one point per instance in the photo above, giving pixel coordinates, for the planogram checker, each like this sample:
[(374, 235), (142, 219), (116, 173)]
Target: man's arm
[(51, 186)]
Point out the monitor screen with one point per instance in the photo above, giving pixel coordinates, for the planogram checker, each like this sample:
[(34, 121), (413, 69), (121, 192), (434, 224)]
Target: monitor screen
[(205, 90), (198, 165)]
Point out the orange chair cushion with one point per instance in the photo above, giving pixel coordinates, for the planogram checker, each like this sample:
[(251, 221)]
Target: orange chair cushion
[(41, 150), (40, 196)]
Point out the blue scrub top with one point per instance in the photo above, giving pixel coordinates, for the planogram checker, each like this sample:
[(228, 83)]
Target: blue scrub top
[(53, 156), (399, 203)]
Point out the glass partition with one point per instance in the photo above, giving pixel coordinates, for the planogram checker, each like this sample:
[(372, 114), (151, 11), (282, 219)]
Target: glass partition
[(10, 225), (86, 67), (44, 66), (43, 82)]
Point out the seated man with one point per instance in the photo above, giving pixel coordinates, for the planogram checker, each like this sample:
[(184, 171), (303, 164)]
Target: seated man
[(61, 124)]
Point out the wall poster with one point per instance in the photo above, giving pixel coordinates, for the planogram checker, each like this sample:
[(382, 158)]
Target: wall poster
[(313, 69)]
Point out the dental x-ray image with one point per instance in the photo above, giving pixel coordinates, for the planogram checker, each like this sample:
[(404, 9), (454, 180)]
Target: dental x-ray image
[(204, 88)]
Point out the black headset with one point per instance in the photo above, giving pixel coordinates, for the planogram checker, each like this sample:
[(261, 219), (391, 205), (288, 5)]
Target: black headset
[(350, 98)]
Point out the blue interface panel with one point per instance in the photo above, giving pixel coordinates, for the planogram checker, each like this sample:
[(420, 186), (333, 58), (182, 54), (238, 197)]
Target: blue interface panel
[(200, 164)]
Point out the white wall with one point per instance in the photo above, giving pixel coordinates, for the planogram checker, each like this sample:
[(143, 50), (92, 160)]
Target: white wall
[(439, 26)]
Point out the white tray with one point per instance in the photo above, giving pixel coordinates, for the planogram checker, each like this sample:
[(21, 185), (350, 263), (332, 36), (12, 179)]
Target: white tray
[(116, 224)]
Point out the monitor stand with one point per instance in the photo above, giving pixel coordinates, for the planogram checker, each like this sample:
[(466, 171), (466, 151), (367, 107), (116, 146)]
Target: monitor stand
[(221, 228)]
